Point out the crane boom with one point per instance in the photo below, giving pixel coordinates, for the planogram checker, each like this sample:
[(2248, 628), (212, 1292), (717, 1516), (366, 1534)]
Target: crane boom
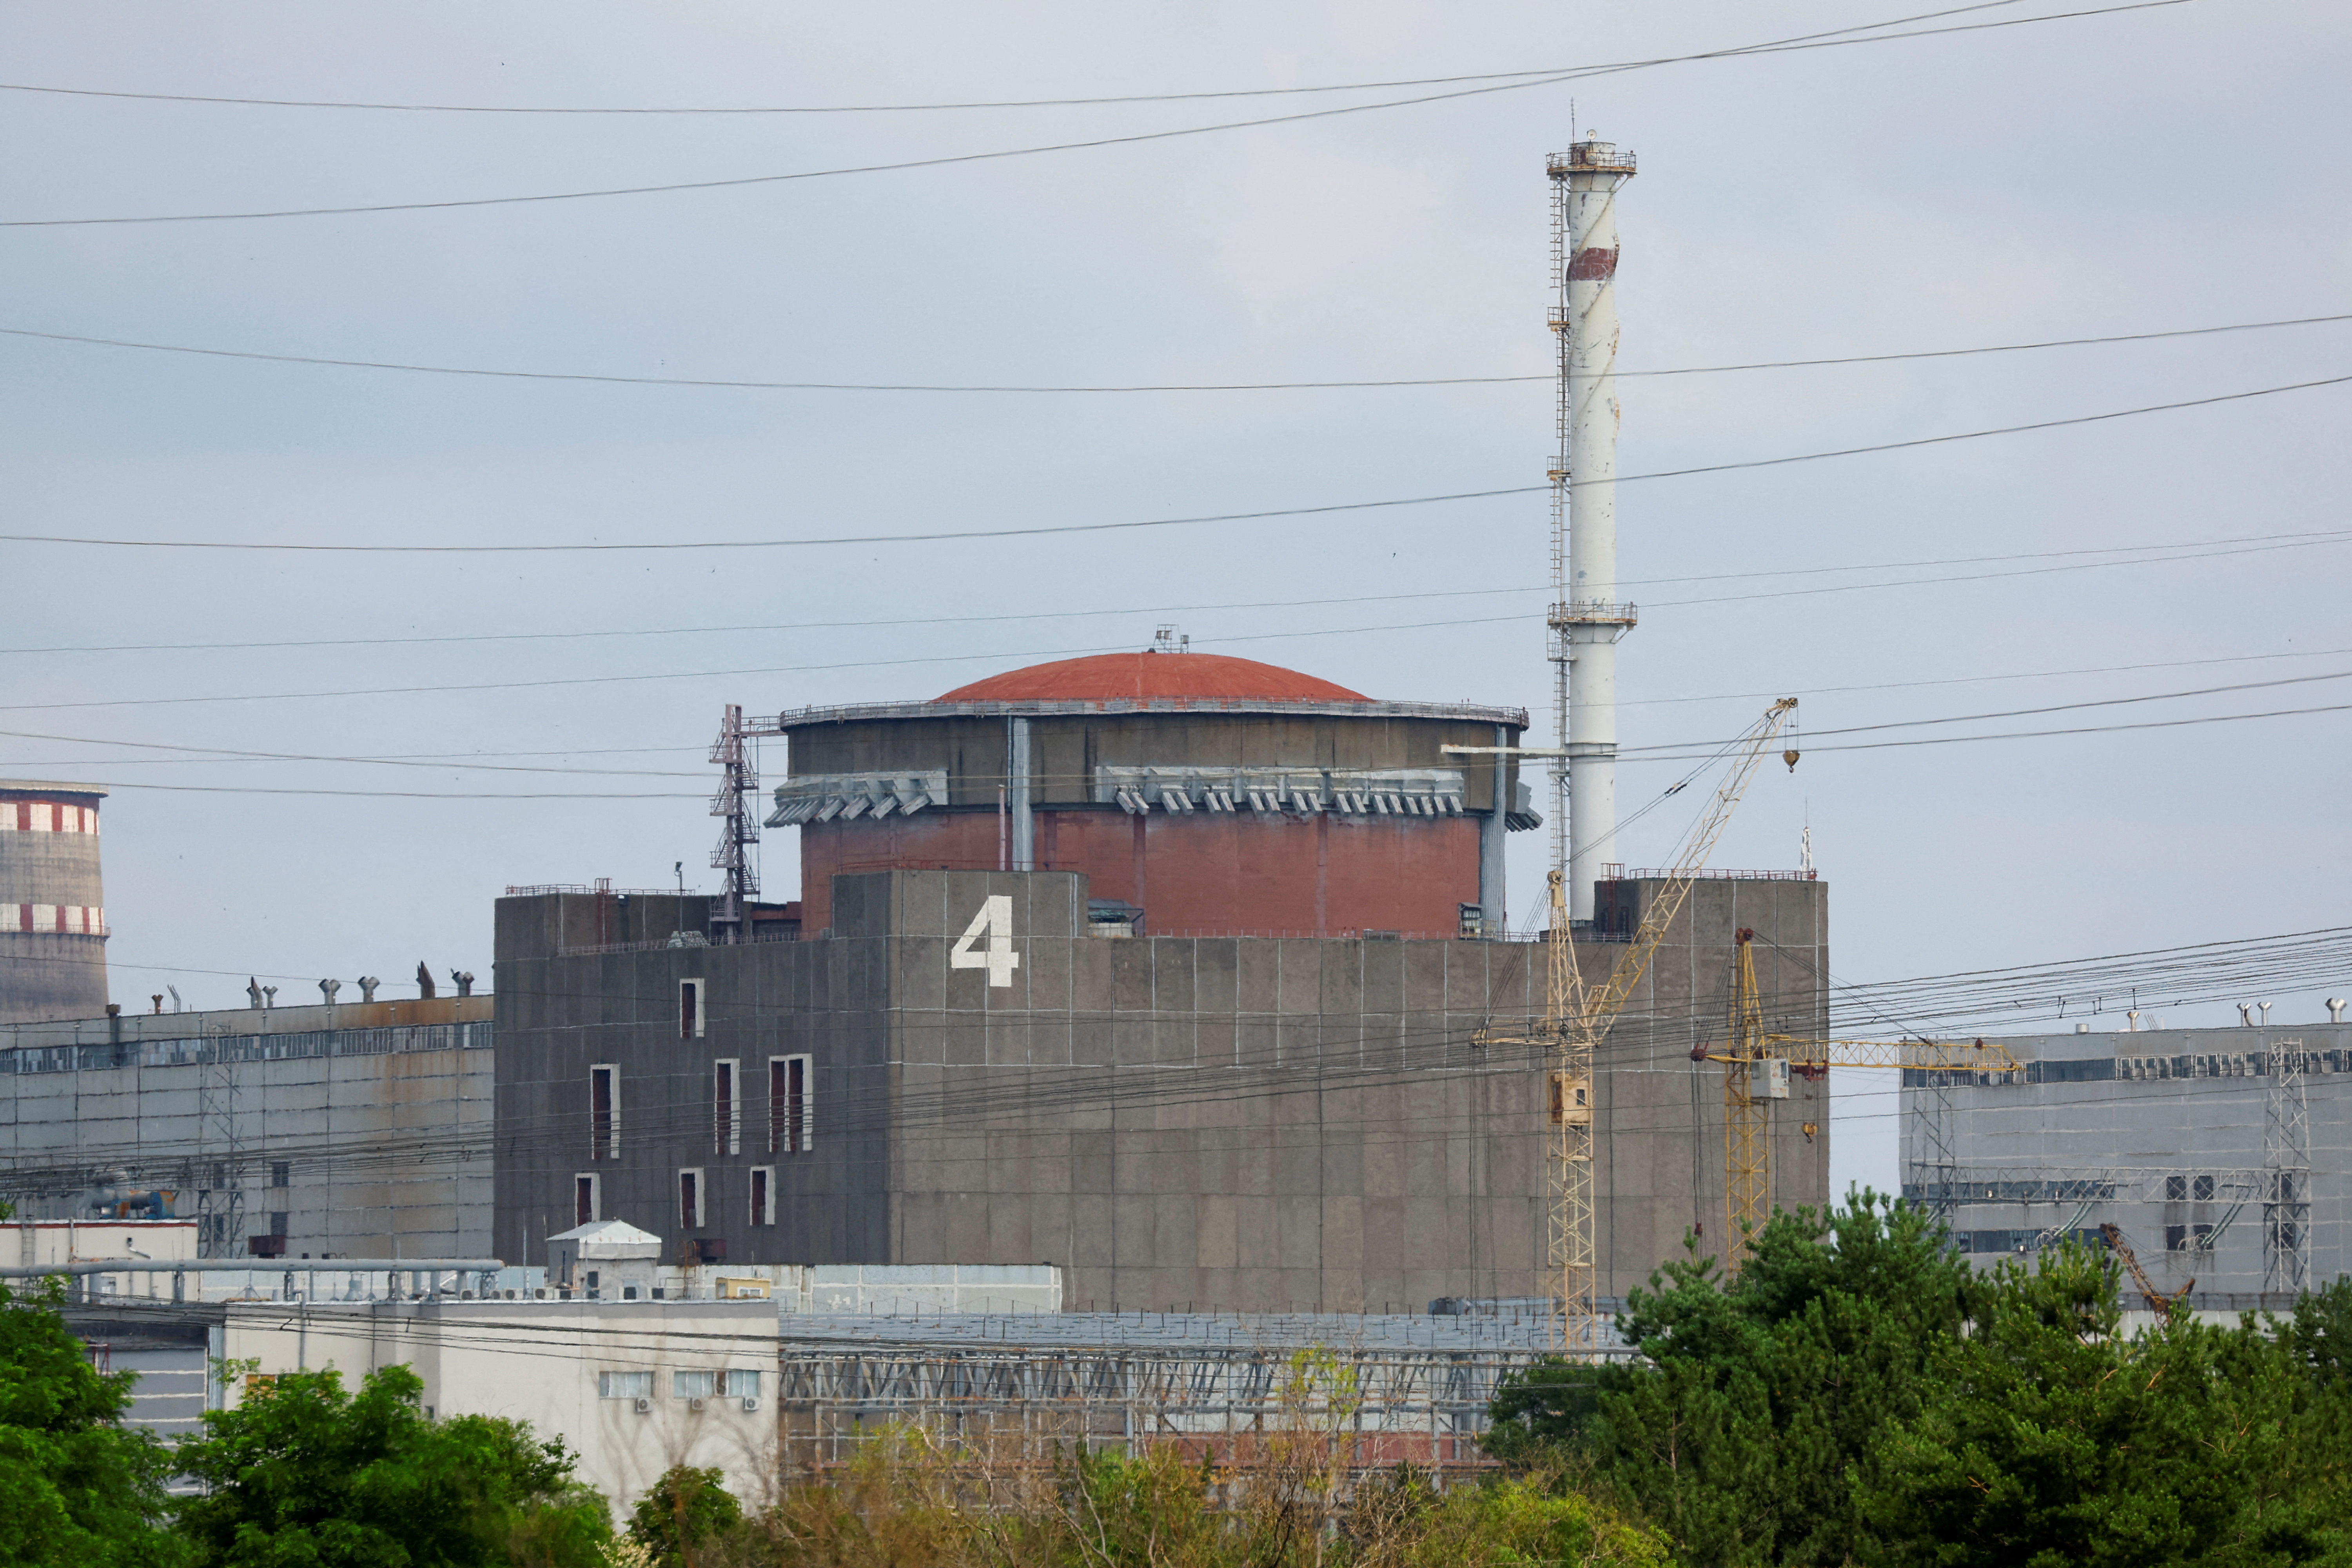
[(1748, 1053), (1577, 1019)]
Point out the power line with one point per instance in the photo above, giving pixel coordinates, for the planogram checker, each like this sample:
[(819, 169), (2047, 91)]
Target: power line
[(709, 383), (1133, 138), (938, 535), (938, 659), (903, 108), (2224, 546)]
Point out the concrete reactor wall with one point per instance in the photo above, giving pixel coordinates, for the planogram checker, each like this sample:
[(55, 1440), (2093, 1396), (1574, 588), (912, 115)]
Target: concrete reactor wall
[(52, 902), (965, 1071)]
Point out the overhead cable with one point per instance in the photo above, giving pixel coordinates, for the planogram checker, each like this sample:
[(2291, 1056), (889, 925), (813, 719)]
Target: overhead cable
[(1132, 139), (935, 536), (2141, 553), (910, 108), (716, 384)]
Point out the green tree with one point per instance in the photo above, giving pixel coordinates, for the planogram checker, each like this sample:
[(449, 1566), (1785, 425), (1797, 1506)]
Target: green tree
[(683, 1511), (75, 1487), (1757, 1393), (303, 1474), (2054, 1438)]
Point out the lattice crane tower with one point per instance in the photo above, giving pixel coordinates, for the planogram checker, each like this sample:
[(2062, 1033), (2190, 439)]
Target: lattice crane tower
[(1585, 620)]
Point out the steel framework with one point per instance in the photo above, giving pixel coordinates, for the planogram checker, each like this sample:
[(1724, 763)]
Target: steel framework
[(2286, 1159), (1383, 1407)]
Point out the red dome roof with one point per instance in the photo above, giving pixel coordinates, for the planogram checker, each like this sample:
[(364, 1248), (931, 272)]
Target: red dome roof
[(1130, 675)]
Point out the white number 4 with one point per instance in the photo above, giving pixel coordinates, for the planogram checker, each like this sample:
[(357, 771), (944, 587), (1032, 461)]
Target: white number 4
[(995, 922)]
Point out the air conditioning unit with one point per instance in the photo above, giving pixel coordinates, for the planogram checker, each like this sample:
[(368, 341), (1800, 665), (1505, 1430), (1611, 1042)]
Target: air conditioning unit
[(643, 1406), (694, 1405), (750, 1402)]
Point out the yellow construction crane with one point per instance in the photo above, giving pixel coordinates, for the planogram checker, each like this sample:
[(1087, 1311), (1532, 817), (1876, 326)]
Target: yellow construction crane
[(2157, 1301), (1755, 1071), (1576, 1020)]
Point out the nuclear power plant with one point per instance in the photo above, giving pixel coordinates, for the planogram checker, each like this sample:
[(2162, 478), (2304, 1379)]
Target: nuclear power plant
[(1188, 982)]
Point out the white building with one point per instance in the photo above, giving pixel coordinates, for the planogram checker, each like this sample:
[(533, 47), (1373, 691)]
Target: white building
[(632, 1387)]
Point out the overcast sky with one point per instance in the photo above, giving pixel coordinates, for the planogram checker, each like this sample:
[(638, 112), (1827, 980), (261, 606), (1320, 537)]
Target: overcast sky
[(2160, 169)]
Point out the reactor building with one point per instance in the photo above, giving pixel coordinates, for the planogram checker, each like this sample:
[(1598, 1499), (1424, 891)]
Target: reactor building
[(52, 902), (1182, 974)]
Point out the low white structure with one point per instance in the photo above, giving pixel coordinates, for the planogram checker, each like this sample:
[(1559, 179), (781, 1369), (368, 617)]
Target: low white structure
[(632, 1387), (605, 1259)]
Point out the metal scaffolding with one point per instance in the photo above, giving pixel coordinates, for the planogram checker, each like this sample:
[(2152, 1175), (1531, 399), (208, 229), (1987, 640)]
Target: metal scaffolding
[(1380, 1406)]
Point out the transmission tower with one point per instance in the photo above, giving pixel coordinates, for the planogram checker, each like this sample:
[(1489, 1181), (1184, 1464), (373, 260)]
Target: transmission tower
[(2286, 1159)]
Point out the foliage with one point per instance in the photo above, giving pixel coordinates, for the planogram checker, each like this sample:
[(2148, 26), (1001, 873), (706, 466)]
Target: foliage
[(1858, 1395), (682, 1511), (75, 1487), (1532, 1517), (908, 1500), (1760, 1393), (304, 1473), (2055, 1438)]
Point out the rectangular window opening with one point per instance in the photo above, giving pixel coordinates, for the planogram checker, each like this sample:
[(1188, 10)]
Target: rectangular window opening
[(727, 1120), (2203, 1189), (741, 1382), (281, 1173), (791, 1120), (586, 1206), (625, 1386), (603, 1112), (690, 1019), (693, 1384), (690, 1200), (764, 1195)]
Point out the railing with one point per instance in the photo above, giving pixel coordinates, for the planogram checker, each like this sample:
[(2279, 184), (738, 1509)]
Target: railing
[(1706, 874), (1363, 708), (582, 890)]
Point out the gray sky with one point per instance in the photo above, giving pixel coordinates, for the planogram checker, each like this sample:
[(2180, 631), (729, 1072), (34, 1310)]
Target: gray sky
[(2144, 172)]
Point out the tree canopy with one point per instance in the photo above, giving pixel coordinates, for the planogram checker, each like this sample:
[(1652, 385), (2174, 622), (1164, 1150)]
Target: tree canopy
[(304, 1474), (1859, 1393), (75, 1487)]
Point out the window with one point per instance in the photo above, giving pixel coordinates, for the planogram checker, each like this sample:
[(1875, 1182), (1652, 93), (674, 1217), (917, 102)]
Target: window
[(690, 1200), (277, 1222), (625, 1386), (693, 1384), (690, 1018), (2203, 1189), (587, 1198), (790, 1120), (281, 1173), (603, 1112), (2198, 1233), (726, 1119), (2175, 1236), (764, 1195), (740, 1382), (2176, 1189)]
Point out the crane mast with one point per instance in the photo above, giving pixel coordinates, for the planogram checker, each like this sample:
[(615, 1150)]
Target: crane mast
[(1576, 1020)]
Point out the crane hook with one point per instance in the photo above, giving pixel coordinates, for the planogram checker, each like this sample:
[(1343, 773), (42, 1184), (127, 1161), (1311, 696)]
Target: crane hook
[(1790, 757)]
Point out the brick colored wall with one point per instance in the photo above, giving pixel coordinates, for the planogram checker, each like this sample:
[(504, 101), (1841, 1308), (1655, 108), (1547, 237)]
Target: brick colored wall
[(1207, 873)]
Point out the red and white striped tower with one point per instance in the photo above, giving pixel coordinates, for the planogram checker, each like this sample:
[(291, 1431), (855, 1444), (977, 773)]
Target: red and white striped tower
[(52, 902)]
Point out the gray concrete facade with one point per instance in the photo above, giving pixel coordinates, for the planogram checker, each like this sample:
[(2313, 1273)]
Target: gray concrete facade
[(2165, 1133), (1228, 1122), (352, 1130)]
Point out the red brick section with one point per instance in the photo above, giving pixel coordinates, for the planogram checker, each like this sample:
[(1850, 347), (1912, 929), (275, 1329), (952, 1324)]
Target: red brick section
[(1205, 873), (1177, 675)]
